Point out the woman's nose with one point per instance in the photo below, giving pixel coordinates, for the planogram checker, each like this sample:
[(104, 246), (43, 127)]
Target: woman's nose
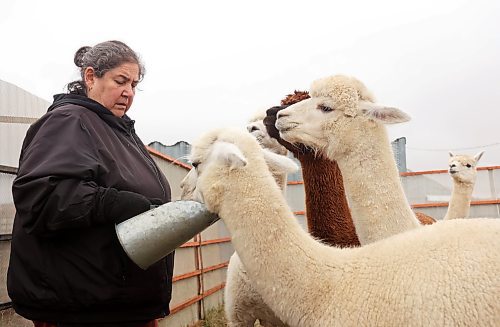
[(128, 91)]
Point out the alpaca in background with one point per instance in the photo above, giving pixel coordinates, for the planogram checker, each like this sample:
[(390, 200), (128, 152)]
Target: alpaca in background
[(463, 171)]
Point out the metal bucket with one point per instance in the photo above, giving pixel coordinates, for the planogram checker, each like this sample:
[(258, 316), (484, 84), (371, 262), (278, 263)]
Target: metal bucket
[(152, 235)]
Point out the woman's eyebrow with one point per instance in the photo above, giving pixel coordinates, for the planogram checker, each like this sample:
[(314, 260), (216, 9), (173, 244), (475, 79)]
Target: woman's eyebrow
[(124, 77)]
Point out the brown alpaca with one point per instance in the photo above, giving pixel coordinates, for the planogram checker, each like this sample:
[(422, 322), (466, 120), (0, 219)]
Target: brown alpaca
[(328, 215)]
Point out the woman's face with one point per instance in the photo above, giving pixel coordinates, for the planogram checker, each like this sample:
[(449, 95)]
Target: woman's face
[(115, 90)]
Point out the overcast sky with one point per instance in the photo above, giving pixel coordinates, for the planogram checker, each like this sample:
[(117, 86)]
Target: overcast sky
[(214, 63)]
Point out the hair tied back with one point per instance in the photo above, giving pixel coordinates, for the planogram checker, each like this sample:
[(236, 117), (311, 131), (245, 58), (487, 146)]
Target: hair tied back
[(79, 56)]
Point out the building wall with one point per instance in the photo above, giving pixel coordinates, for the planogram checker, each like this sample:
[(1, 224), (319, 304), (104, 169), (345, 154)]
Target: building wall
[(178, 151), (18, 109), (174, 170)]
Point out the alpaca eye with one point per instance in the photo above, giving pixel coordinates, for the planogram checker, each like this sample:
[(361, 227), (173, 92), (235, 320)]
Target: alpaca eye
[(324, 108), (195, 164), (468, 165)]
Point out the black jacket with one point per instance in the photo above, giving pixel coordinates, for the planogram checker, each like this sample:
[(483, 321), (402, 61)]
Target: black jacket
[(66, 264)]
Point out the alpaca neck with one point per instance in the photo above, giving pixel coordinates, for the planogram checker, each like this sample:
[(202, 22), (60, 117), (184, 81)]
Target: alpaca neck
[(461, 196), (328, 215), (378, 204), (272, 223), (275, 251)]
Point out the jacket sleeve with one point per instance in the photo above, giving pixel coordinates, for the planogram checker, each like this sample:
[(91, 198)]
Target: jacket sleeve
[(56, 187)]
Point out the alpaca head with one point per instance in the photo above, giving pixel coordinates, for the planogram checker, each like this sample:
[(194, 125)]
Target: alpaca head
[(223, 157), (462, 168), (257, 128), (340, 113)]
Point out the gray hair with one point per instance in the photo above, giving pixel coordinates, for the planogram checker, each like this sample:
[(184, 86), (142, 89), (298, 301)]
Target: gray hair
[(103, 57)]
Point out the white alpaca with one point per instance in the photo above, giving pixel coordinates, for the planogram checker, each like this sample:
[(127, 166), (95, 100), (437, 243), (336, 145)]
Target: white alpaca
[(341, 121), (257, 128), (463, 170), (403, 280), (242, 304)]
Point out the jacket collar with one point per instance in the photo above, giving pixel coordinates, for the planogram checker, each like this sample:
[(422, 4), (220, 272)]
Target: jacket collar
[(124, 123)]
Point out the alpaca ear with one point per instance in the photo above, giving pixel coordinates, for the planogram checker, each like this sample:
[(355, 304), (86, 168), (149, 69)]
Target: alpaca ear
[(279, 162), (451, 154), (229, 154), (383, 114), (478, 156)]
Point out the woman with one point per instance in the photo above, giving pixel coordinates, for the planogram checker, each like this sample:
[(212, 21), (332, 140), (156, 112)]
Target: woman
[(82, 170)]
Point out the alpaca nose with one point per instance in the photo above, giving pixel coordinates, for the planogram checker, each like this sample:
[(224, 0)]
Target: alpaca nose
[(252, 128)]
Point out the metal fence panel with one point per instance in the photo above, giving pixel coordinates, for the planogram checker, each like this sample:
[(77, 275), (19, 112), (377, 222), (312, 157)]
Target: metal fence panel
[(7, 209)]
